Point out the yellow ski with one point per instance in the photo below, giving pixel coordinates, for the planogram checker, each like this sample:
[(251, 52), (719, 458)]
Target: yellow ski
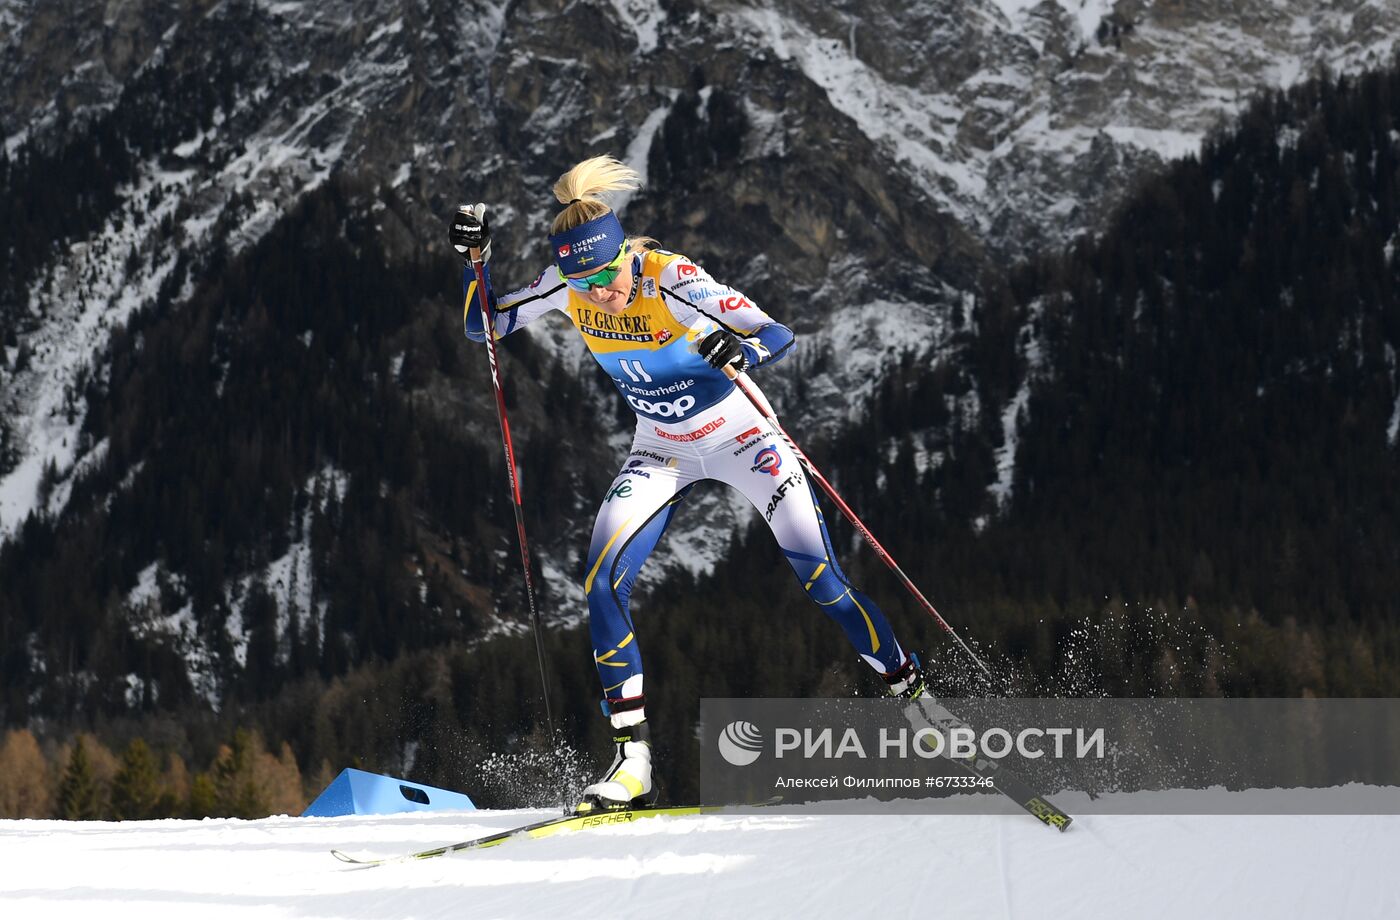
[(547, 828)]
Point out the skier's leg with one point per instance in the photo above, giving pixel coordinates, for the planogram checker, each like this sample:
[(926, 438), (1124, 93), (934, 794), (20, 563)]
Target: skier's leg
[(638, 506), (772, 478)]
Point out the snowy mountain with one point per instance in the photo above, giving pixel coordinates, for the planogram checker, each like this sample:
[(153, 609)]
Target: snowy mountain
[(859, 168), (780, 865), (1011, 126)]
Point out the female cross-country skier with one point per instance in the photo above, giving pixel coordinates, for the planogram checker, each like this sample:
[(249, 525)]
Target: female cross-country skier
[(664, 331)]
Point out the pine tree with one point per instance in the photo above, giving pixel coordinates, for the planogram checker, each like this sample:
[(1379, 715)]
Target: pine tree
[(79, 797), (237, 792), (136, 787), (204, 797)]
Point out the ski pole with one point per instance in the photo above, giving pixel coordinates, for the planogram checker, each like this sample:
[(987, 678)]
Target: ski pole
[(766, 411), (478, 259)]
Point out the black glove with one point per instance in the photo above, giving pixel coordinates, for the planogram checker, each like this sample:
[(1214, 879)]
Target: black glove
[(468, 230), (722, 347)]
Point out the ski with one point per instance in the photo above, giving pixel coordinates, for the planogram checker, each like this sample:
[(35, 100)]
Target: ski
[(548, 827), (1004, 781)]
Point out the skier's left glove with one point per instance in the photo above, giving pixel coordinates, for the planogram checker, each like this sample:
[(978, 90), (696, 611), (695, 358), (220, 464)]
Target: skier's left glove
[(722, 347)]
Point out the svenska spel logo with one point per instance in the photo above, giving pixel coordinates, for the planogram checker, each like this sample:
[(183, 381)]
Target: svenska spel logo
[(740, 743)]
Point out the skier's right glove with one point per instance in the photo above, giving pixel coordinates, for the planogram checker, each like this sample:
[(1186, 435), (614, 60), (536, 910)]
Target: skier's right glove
[(468, 230), (722, 347)]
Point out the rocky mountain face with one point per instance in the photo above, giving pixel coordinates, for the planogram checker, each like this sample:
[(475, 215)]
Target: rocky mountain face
[(860, 169)]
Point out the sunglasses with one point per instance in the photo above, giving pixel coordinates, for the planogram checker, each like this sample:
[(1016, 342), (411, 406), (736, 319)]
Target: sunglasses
[(602, 277)]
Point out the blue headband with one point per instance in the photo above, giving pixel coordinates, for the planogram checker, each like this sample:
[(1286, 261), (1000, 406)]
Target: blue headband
[(588, 246)]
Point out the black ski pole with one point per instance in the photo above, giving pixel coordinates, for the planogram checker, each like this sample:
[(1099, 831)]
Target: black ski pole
[(763, 408), (478, 258)]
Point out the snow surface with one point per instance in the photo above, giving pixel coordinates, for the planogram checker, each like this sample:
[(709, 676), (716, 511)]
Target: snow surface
[(782, 863)]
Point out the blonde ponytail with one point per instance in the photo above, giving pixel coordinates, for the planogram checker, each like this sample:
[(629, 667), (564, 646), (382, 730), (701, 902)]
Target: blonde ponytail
[(578, 190)]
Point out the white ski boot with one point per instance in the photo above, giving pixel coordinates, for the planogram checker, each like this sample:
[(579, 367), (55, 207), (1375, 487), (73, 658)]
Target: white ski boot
[(627, 783)]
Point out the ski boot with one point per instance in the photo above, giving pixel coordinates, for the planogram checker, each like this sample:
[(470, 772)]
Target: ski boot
[(909, 682), (921, 708), (628, 781)]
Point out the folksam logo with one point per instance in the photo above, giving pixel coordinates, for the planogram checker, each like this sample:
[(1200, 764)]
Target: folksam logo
[(740, 743)]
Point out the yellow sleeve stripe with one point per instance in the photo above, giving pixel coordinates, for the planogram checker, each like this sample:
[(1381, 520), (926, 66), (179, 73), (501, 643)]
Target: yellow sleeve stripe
[(821, 568), (467, 308)]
